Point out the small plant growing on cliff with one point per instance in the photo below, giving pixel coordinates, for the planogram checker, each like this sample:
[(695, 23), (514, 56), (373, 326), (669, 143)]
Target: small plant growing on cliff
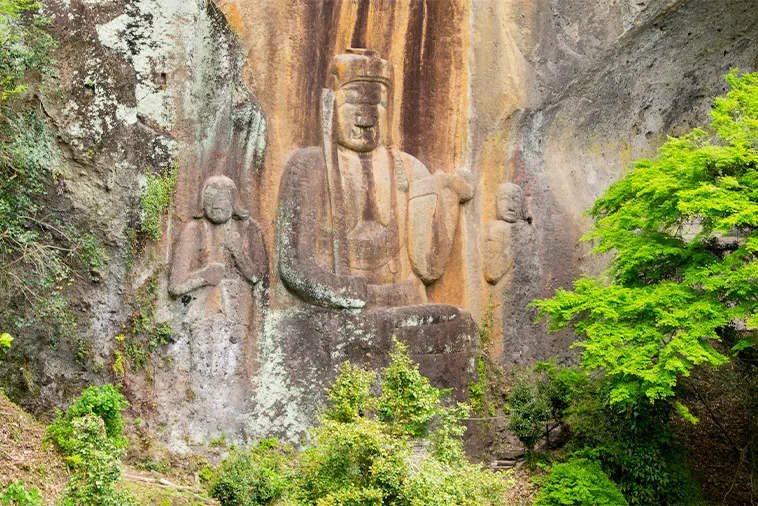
[(156, 200), (25, 47), (5, 344)]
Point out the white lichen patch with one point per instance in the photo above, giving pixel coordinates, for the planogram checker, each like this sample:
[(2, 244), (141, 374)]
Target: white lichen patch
[(277, 404)]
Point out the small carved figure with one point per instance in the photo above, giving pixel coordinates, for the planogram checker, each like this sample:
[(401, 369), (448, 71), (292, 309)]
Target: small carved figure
[(509, 209), (220, 248), (362, 224)]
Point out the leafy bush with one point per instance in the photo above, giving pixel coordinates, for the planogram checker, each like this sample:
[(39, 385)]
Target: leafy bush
[(529, 410), (252, 477), (559, 385), (634, 445), (95, 460), (16, 495), (105, 402), (579, 482)]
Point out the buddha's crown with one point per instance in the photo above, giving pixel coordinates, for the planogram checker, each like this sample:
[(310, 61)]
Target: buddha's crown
[(358, 64)]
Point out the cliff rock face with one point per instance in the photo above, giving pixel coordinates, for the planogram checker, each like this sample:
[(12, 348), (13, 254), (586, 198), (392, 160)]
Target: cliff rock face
[(553, 97)]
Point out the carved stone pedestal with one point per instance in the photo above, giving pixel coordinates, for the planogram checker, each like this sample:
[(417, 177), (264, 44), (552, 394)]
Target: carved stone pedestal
[(305, 347)]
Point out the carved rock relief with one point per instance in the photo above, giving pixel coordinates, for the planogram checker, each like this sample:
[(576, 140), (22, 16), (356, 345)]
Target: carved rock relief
[(219, 260), (501, 233)]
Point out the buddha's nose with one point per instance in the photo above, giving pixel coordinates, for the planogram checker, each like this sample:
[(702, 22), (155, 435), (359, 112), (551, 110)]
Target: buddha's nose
[(365, 119)]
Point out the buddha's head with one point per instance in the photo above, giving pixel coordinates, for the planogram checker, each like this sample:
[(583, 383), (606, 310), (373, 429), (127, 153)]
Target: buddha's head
[(362, 86), (509, 204), (219, 200)]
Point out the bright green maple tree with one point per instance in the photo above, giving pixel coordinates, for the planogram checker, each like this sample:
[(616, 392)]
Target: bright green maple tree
[(682, 231)]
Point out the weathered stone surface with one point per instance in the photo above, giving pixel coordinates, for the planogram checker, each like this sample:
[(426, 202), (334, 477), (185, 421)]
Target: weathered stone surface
[(555, 97)]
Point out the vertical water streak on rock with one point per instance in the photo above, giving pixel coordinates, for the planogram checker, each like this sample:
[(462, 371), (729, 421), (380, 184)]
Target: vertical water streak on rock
[(322, 21), (361, 24), (410, 117)]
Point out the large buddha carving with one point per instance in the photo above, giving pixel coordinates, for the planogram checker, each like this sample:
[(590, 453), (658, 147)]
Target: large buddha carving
[(362, 224)]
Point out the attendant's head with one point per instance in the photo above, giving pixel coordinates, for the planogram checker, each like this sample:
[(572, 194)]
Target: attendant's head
[(219, 200), (509, 204), (362, 86)]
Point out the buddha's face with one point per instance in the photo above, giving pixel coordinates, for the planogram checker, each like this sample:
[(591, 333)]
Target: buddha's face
[(218, 204), (510, 203), (361, 116)]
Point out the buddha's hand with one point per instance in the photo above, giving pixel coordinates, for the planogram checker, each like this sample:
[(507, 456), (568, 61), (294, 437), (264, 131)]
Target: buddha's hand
[(357, 288), (213, 273), (458, 184)]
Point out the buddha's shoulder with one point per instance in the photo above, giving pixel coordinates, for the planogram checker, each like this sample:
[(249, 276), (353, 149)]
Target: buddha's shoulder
[(413, 166), (306, 156)]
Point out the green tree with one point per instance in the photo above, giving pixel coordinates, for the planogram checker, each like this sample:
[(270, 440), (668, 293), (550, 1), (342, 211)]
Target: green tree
[(682, 232)]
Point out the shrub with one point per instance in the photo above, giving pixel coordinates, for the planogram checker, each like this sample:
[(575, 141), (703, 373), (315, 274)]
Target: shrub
[(634, 445), (579, 482), (95, 460), (106, 402), (252, 477), (408, 403), (529, 411), (399, 446), (16, 495)]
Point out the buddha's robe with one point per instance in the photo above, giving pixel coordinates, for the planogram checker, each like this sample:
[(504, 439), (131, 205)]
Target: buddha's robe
[(372, 235)]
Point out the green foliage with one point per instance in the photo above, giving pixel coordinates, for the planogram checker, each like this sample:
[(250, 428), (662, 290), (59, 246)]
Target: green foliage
[(16, 495), (252, 477), (106, 403), (5, 344), (408, 403), (634, 445), (40, 254), (559, 385), (368, 451), (579, 482), (95, 460), (350, 394), (156, 200), (682, 232), (25, 47), (529, 410)]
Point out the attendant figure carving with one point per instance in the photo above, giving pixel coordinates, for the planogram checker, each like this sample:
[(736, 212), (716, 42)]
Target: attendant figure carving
[(218, 258), (362, 224), (498, 246)]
